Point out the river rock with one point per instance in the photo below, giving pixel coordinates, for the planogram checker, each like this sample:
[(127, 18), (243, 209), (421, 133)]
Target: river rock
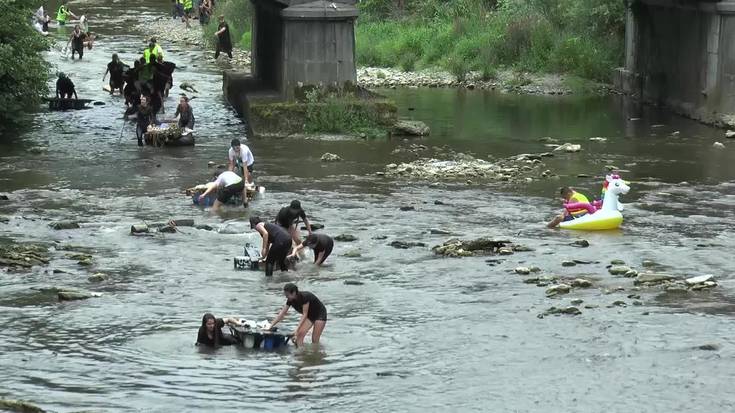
[(19, 406), (730, 134), (581, 243), (617, 262), (618, 269), (353, 282), (631, 274), (541, 281), (709, 347), (23, 256), (73, 295), (439, 231), (459, 248), (619, 303), (3, 197), (560, 311), (330, 157), (505, 251), (410, 128), (205, 227), (352, 254), (521, 248), (568, 263), (97, 277), (718, 145), (558, 289), (59, 225), (522, 270), (649, 263), (407, 208), (345, 238), (702, 286), (581, 283), (576, 301), (406, 245), (652, 278), (568, 147)]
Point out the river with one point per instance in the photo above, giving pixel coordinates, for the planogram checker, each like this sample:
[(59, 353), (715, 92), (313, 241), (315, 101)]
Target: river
[(422, 333)]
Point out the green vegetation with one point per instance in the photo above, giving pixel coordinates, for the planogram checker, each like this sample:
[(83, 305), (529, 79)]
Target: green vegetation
[(23, 71), (237, 14), (324, 112), (579, 37)]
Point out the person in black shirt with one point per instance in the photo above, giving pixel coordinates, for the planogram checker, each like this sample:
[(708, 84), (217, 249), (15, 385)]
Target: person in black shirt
[(313, 313), (116, 69), (210, 332), (321, 244), (288, 217), (146, 117), (224, 44), (77, 42), (185, 113), (276, 244), (65, 87)]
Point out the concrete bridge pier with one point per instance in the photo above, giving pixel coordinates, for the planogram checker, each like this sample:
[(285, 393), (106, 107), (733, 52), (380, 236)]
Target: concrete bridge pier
[(680, 54)]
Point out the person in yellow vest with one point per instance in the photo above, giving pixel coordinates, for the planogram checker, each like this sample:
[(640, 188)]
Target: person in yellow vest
[(570, 196), (63, 14)]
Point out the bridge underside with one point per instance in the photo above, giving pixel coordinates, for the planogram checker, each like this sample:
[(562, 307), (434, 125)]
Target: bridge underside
[(681, 54)]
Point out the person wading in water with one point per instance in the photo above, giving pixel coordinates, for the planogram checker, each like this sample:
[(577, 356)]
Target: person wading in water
[(116, 69), (312, 310)]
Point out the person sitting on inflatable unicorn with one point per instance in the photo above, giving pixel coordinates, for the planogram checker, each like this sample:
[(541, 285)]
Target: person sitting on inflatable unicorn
[(570, 196)]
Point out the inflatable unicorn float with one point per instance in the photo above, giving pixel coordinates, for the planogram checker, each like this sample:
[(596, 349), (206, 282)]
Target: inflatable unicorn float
[(600, 215)]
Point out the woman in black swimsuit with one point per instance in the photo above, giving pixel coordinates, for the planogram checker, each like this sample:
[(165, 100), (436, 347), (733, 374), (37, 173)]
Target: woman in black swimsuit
[(313, 313)]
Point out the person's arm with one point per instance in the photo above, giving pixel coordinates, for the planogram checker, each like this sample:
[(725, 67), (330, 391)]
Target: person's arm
[(105, 75), (306, 222), (178, 111), (58, 95), (304, 313), (220, 31), (280, 315), (264, 250), (296, 249), (209, 190), (72, 14), (75, 93), (231, 320)]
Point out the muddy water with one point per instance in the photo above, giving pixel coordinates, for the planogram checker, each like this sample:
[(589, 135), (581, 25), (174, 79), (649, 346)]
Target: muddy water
[(421, 333)]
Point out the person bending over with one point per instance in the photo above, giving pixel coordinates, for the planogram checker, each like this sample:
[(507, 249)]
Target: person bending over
[(276, 244), (313, 313), (65, 87), (227, 184), (321, 244), (569, 195), (210, 332), (288, 217)]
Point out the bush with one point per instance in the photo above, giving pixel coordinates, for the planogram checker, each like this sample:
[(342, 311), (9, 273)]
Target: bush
[(23, 70), (341, 114)]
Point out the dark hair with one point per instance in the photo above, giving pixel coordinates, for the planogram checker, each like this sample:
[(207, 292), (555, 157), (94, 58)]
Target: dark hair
[(203, 327), (255, 221), (114, 56), (564, 190), (235, 143), (290, 288), (295, 204)]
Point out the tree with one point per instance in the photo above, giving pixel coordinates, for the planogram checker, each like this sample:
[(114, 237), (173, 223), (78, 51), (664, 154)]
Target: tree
[(23, 70)]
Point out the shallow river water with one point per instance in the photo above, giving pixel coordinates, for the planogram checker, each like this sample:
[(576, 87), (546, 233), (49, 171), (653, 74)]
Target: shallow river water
[(422, 333)]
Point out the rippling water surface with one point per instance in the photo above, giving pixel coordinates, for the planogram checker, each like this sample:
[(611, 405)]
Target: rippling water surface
[(422, 333)]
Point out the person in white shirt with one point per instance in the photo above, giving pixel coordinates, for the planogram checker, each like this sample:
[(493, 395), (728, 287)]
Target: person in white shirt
[(227, 184), (241, 159)]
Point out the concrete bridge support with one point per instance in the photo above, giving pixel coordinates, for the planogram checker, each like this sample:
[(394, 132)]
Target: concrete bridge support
[(681, 54)]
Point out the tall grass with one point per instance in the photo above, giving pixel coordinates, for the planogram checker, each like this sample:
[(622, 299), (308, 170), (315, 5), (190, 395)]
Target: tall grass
[(578, 37)]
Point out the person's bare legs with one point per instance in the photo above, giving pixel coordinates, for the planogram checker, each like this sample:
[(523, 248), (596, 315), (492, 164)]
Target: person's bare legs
[(295, 236), (216, 206), (318, 328), (556, 221)]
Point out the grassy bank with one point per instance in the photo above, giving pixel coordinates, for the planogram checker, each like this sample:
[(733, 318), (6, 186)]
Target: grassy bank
[(578, 37)]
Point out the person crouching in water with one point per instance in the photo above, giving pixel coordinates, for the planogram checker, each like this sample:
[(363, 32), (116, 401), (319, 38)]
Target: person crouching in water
[(312, 310), (321, 244), (185, 113), (146, 117), (65, 87), (276, 244), (210, 332), (227, 184), (569, 196)]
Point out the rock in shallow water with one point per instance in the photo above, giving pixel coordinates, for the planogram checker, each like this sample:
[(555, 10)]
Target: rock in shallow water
[(410, 128), (618, 269), (406, 245), (59, 225), (19, 406), (73, 295), (651, 278), (561, 311), (345, 238), (331, 157), (558, 289)]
